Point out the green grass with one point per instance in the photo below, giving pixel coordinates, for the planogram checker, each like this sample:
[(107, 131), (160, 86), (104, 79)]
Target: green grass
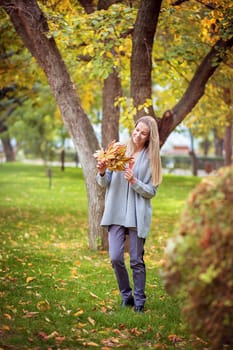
[(57, 294)]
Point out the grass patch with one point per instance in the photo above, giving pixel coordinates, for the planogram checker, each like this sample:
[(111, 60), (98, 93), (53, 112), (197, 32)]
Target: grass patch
[(57, 294)]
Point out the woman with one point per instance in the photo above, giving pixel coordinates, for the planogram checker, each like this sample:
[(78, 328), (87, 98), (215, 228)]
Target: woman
[(128, 208)]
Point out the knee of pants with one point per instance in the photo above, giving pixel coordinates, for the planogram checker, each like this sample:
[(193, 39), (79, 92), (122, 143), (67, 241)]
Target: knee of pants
[(134, 264), (117, 260)]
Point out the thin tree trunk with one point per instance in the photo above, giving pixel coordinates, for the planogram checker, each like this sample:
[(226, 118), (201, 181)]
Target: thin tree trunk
[(111, 113), (228, 145), (8, 148), (218, 145), (227, 96)]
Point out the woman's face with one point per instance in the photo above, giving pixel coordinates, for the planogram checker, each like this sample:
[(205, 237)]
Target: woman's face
[(140, 135)]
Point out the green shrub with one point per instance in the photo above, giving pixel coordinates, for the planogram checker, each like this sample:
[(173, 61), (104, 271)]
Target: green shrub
[(199, 260)]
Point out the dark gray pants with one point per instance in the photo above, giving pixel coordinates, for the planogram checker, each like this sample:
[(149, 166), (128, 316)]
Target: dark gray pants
[(117, 235)]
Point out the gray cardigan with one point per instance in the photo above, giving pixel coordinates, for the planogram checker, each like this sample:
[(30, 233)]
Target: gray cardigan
[(127, 204)]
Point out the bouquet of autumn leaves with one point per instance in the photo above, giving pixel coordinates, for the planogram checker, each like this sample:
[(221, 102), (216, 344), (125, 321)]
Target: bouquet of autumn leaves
[(114, 156)]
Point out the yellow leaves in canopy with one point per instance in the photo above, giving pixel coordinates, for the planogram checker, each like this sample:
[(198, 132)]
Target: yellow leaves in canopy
[(87, 97), (109, 55), (60, 6)]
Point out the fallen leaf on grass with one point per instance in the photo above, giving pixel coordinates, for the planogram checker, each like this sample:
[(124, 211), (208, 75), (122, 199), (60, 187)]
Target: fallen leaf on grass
[(78, 313), (174, 338), (110, 342), (29, 279), (91, 321), (135, 331), (121, 334), (52, 335), (160, 346), (93, 295), (30, 314), (90, 343), (43, 305), (104, 309)]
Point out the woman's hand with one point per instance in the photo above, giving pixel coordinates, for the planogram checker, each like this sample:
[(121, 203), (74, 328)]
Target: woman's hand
[(101, 166), (129, 176)]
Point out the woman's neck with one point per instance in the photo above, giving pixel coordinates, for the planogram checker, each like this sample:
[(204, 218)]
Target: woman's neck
[(138, 149)]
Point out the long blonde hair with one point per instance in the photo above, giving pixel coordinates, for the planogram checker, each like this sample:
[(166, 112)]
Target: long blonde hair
[(153, 148)]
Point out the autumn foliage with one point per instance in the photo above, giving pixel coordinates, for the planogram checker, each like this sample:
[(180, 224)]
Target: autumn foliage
[(114, 156), (199, 260)]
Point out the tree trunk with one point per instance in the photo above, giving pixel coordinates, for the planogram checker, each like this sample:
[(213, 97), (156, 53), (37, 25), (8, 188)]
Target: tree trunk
[(111, 113), (6, 142), (227, 96), (218, 145), (141, 60), (8, 148), (31, 25), (228, 145)]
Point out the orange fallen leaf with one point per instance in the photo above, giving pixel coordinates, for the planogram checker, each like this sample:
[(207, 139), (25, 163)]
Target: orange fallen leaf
[(174, 338), (81, 325), (79, 312), (90, 343), (7, 316), (29, 279)]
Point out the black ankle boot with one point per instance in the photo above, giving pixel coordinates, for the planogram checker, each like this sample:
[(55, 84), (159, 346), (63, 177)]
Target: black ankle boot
[(139, 308), (128, 302)]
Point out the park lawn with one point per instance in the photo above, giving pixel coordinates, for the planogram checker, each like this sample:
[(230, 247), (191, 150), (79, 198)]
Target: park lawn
[(57, 294)]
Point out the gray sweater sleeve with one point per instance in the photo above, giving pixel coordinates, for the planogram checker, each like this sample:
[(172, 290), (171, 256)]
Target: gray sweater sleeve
[(105, 180), (145, 190)]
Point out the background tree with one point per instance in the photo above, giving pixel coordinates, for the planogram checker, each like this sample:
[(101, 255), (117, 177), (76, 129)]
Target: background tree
[(32, 26)]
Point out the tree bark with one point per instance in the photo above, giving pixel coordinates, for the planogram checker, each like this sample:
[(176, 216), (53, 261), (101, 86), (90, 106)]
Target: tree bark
[(87, 5), (141, 60), (227, 96), (6, 142), (31, 25), (8, 148), (228, 145), (111, 113), (218, 145)]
